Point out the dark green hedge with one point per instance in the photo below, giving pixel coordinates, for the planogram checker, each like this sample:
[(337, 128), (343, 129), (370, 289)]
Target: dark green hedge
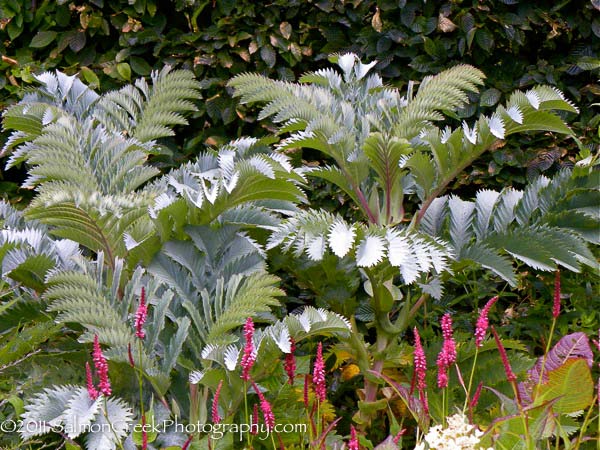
[(109, 42)]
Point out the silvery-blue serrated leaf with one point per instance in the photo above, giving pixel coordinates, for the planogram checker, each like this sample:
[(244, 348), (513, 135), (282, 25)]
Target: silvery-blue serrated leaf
[(129, 241), (211, 192), (160, 202), (515, 114), (505, 208), (341, 238), (231, 355), (434, 216), (362, 69), (370, 251), (66, 249), (209, 352), (281, 335), (365, 312), (79, 413), (260, 163), (111, 431), (461, 217), (44, 411), (283, 160), (304, 320), (196, 376), (316, 248), (534, 98), (398, 248), (484, 204), (470, 134), (440, 254), (409, 267), (446, 134), (433, 288), (420, 249), (496, 125), (346, 63)]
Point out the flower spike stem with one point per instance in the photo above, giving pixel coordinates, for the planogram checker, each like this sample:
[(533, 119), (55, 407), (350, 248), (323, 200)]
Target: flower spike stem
[(555, 314)]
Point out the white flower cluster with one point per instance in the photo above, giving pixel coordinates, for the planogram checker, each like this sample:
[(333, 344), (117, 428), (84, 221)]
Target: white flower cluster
[(458, 435)]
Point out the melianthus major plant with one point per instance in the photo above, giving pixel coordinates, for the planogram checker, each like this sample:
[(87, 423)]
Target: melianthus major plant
[(99, 230), (104, 225), (384, 149)]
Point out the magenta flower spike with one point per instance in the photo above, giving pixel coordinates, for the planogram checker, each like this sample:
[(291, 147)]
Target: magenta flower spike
[(447, 355), (306, 388), (449, 343), (482, 322), (216, 418), (101, 367), (353, 444), (249, 355), (420, 362), (319, 375), (187, 443), (290, 362), (400, 433), (141, 315), (476, 395), (254, 425), (144, 434), (510, 376), (93, 393), (265, 407), (556, 304)]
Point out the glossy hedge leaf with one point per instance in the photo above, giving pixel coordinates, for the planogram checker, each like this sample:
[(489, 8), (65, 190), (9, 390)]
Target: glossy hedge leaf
[(490, 97), (42, 39), (140, 66), (124, 71), (268, 55)]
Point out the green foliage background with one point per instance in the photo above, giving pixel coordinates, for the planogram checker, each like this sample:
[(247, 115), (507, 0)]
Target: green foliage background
[(110, 42)]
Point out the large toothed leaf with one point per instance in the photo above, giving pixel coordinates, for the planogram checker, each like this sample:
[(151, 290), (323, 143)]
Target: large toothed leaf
[(370, 251)]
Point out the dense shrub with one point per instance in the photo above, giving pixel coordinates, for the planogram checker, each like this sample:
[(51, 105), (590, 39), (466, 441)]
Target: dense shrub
[(109, 42)]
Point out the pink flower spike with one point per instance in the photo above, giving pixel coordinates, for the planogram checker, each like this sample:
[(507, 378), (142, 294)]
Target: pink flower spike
[(216, 418), (353, 444), (510, 376), (144, 434), (420, 362), (254, 424), (476, 395), (290, 362), (447, 355), (265, 407), (442, 377), (556, 305), (101, 367), (449, 343), (482, 322), (401, 433), (249, 355), (306, 388), (93, 393), (141, 315), (319, 375), (187, 443)]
